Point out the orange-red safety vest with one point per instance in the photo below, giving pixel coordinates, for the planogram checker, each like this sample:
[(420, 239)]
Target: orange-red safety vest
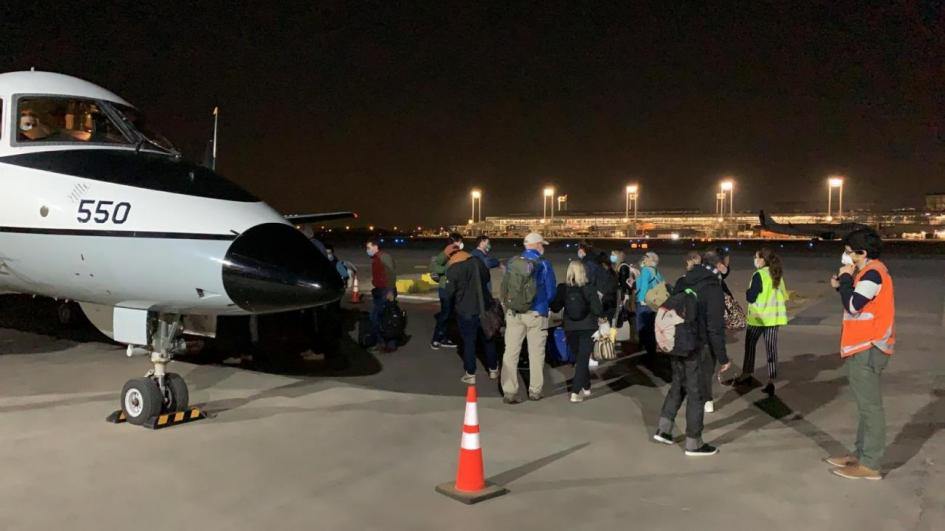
[(875, 324)]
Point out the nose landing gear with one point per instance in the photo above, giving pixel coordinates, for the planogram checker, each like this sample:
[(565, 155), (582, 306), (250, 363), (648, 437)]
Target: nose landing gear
[(160, 398)]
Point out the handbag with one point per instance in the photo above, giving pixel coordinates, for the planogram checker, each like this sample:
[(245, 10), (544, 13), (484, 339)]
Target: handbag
[(604, 349), (734, 314), (492, 320), (622, 323)]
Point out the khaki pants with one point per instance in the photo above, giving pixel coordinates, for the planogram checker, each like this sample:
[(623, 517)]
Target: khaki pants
[(518, 327), (865, 369)]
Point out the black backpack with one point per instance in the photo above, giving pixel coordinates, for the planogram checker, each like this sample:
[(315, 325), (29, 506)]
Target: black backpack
[(393, 321), (576, 307)]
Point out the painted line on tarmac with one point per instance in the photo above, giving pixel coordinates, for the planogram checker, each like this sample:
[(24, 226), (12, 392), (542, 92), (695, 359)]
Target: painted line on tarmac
[(418, 298)]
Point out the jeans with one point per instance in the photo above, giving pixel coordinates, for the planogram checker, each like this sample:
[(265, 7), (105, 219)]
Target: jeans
[(518, 327), (646, 327), (379, 298), (442, 317), (581, 345), (688, 384), (471, 332), (865, 369)]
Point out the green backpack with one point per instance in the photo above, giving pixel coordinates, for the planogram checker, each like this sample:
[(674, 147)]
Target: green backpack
[(519, 286)]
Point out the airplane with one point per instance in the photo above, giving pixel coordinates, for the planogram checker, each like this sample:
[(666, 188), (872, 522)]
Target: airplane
[(823, 231), (98, 208)]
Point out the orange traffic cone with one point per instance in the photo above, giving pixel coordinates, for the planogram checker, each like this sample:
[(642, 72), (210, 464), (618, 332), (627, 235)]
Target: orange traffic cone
[(355, 292), (471, 486)]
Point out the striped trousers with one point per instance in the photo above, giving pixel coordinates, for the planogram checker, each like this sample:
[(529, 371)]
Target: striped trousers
[(752, 335)]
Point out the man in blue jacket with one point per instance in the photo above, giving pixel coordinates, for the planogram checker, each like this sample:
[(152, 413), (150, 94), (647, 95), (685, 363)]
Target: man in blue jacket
[(531, 325), (482, 250)]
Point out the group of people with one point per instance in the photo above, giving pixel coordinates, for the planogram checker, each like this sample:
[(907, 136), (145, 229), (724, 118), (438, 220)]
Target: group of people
[(602, 291)]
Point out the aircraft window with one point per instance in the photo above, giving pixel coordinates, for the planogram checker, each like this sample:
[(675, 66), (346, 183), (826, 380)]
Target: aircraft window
[(136, 120), (52, 119)]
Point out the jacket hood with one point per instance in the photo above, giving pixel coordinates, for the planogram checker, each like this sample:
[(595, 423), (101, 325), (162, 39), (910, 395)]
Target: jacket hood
[(700, 275), (457, 257)]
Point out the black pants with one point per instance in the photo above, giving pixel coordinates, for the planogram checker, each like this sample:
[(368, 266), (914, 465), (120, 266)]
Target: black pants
[(688, 384), (581, 345), (752, 335)]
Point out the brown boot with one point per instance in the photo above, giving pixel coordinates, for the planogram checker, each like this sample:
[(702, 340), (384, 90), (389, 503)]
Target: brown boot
[(857, 472), (842, 460)]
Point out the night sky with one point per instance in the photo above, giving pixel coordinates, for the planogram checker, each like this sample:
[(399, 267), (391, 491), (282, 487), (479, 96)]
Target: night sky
[(398, 112)]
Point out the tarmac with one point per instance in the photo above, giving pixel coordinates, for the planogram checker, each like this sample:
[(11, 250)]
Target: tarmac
[(363, 448)]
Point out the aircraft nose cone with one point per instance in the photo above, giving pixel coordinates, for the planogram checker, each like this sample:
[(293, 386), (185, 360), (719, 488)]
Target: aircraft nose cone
[(273, 267)]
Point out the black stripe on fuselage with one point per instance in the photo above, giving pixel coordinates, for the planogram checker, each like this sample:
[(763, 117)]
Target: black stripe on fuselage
[(151, 171), (120, 233)]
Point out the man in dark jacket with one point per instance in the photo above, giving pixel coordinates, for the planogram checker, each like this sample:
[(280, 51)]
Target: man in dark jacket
[(466, 281), (689, 380)]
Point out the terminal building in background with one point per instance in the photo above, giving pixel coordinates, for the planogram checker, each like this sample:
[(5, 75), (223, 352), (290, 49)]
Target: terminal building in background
[(906, 223)]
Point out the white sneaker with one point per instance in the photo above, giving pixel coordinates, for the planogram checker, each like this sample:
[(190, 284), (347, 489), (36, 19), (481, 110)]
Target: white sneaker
[(593, 363), (586, 392), (576, 397), (709, 407), (469, 379), (493, 374)]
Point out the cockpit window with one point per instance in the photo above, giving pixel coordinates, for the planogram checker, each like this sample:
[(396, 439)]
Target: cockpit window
[(65, 120), (135, 120)]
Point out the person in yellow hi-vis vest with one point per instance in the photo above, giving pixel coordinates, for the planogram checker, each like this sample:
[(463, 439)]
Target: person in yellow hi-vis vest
[(767, 297)]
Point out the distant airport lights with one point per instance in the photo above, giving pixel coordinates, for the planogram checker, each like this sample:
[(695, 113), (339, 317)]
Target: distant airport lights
[(548, 198), (834, 181), (474, 197), (632, 196)]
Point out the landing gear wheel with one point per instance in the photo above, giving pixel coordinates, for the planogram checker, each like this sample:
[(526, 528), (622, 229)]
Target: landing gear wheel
[(177, 394), (141, 400), (65, 314)]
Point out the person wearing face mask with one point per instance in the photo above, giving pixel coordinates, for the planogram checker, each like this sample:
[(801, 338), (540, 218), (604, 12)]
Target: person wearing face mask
[(438, 267), (767, 298), (528, 287), (482, 250), (693, 258), (867, 344), (588, 257), (646, 316), (384, 290)]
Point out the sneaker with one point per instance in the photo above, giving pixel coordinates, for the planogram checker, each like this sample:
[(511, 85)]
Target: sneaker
[(661, 437), (592, 363), (704, 450), (446, 343), (857, 471), (535, 396), (577, 397), (709, 406), (842, 460), (511, 399), (768, 389), (435, 345), (586, 392), (469, 379), (493, 374)]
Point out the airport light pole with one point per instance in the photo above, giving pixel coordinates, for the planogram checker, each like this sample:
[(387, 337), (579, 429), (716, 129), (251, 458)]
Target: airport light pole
[(632, 197), (548, 199), (835, 181), (728, 185), (476, 195)]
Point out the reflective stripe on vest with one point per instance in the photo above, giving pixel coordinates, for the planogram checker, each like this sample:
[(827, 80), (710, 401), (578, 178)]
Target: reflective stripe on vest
[(874, 325), (770, 308)]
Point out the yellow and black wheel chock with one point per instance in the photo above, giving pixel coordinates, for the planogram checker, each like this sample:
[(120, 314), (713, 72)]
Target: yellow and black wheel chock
[(163, 420)]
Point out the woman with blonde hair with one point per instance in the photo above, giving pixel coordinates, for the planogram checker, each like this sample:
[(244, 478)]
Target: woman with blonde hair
[(582, 315)]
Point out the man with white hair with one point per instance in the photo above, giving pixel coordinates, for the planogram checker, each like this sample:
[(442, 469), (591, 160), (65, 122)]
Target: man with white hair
[(528, 287)]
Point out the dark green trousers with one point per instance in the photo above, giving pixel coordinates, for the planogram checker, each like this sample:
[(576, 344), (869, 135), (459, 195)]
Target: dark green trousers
[(864, 370)]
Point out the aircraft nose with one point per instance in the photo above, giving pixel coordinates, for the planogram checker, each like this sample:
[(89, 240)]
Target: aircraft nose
[(273, 267)]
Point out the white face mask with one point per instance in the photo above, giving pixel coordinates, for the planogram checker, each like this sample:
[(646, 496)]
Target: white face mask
[(846, 260), (371, 252), (759, 263), (460, 245)]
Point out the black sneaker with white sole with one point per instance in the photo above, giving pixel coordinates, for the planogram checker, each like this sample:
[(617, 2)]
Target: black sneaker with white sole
[(661, 437), (704, 450), (446, 343)]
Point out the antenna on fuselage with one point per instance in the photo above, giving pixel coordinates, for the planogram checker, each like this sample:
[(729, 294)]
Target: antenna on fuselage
[(216, 124)]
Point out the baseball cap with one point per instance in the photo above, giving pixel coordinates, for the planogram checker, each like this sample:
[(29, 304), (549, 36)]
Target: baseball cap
[(534, 237)]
